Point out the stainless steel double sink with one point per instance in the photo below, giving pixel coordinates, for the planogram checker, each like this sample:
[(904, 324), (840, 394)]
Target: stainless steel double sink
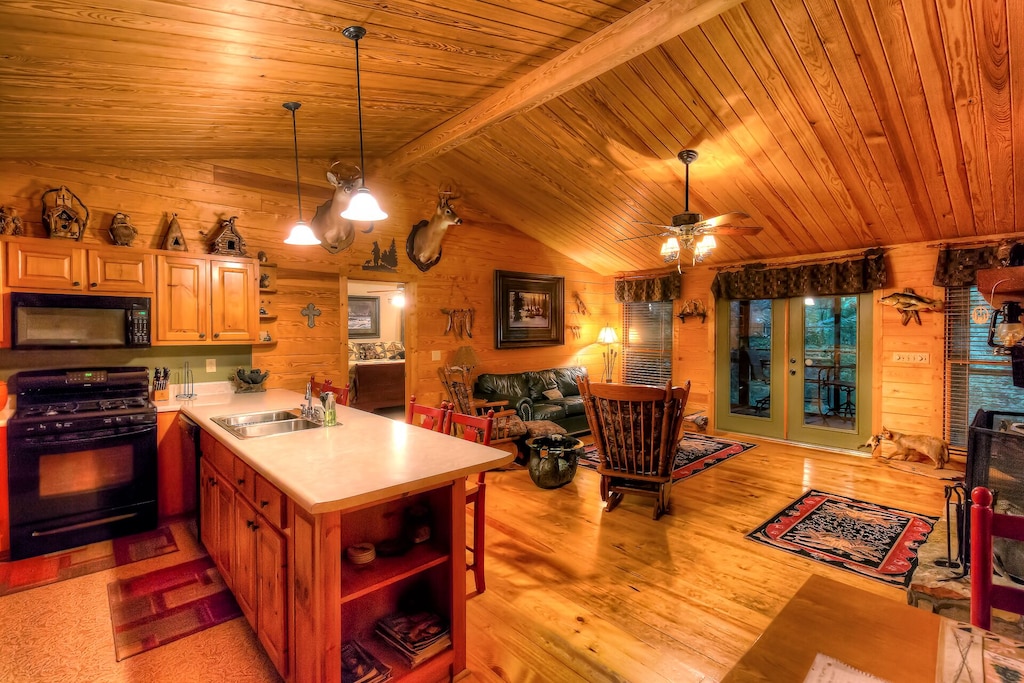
[(267, 423)]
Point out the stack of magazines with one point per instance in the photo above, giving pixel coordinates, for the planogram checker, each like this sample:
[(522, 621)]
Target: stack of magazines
[(359, 666), (418, 636)]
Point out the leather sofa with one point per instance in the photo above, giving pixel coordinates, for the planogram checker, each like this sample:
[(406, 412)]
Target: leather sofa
[(539, 395)]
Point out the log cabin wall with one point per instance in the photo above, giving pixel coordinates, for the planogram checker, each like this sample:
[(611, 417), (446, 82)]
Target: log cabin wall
[(262, 194)]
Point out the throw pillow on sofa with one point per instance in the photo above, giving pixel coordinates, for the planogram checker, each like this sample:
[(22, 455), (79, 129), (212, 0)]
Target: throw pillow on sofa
[(553, 394)]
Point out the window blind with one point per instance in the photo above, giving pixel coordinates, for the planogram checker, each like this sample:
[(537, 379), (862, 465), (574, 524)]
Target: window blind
[(976, 377), (647, 343)]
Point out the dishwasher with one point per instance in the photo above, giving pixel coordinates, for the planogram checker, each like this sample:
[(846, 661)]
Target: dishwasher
[(190, 450)]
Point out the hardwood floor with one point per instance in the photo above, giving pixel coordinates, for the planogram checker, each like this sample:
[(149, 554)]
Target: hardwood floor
[(573, 593)]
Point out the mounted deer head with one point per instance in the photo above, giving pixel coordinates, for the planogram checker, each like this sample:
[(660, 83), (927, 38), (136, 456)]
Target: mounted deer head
[(334, 232), (423, 245)]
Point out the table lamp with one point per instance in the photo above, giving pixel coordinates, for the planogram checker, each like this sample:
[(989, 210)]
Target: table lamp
[(608, 337)]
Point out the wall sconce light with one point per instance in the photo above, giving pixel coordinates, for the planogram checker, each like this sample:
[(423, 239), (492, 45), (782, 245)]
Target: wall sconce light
[(608, 337), (362, 207), (301, 234)]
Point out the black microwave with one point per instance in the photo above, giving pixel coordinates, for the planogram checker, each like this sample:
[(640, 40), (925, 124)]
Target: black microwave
[(77, 321)]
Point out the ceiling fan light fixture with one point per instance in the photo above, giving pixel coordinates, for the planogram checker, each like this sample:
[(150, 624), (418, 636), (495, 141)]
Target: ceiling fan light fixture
[(707, 243), (362, 207), (670, 249)]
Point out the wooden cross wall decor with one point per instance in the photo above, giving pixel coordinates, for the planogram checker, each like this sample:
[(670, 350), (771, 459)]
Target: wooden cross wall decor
[(311, 312)]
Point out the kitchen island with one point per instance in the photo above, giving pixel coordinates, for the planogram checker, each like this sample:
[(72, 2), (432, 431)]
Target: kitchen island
[(278, 512)]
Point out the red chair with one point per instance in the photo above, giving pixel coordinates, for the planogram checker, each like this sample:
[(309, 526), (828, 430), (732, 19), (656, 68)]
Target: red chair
[(340, 394), (475, 428), (986, 524), (434, 419)]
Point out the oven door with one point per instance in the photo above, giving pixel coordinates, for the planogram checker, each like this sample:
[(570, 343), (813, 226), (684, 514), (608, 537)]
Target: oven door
[(67, 490)]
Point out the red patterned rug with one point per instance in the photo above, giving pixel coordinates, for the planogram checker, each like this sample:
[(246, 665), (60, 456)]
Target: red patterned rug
[(872, 540), (162, 606), (22, 575), (695, 453)]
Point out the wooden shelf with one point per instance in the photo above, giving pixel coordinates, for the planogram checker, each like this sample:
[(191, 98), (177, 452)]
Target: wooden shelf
[(360, 580)]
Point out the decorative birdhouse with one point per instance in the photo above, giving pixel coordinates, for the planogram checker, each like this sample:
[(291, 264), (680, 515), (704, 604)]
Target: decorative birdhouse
[(228, 240), (175, 239), (64, 217)]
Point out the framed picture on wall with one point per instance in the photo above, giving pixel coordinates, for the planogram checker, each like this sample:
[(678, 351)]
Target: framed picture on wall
[(363, 317), (528, 310)]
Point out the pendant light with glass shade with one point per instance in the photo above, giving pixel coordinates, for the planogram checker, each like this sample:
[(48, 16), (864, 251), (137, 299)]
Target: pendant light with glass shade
[(301, 234), (362, 207)]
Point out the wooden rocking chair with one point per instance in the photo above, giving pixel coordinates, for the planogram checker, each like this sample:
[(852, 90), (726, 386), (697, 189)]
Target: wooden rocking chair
[(636, 431)]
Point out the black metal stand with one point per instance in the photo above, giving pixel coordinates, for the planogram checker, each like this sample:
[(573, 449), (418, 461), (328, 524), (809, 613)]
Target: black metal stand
[(959, 491)]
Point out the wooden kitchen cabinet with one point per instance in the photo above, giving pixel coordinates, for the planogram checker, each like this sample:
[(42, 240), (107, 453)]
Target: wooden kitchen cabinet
[(206, 300), (52, 266), (240, 518)]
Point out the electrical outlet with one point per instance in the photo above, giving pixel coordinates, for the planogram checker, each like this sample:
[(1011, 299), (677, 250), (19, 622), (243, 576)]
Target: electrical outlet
[(211, 365), (910, 357), (435, 355)]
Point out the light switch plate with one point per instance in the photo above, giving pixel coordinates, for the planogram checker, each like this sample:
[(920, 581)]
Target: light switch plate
[(910, 357), (211, 365), (435, 355)]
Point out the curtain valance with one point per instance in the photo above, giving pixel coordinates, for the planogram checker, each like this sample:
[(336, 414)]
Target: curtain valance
[(826, 279), (959, 267), (659, 288)]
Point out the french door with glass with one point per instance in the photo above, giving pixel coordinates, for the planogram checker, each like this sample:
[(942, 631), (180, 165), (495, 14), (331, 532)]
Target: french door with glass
[(796, 369)]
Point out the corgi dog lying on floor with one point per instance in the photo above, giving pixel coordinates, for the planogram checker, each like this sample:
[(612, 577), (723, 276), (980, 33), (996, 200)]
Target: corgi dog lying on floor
[(931, 447)]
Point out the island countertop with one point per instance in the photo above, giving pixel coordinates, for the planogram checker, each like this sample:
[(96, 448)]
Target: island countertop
[(363, 459)]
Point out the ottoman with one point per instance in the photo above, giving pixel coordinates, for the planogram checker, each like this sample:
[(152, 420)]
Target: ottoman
[(534, 429)]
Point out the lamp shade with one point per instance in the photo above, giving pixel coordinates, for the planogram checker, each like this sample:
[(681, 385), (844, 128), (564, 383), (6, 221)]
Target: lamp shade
[(363, 207), (607, 335), (465, 357), (302, 235)]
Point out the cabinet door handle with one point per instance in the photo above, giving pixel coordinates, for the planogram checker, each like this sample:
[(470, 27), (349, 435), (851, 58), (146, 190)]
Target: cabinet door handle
[(213, 481), (264, 503), (76, 283), (93, 284), (249, 523), (241, 482), (216, 335), (202, 335)]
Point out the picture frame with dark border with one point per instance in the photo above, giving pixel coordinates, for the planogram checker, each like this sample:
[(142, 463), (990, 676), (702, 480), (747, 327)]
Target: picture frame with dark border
[(529, 310), (363, 317)]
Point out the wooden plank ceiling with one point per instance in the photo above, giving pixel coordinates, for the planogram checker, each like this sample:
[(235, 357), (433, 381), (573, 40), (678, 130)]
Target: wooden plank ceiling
[(836, 124)]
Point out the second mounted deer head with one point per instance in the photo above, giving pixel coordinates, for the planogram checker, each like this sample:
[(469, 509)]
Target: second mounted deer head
[(423, 245)]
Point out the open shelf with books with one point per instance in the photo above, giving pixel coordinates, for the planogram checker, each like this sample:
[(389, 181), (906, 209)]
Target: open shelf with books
[(399, 607)]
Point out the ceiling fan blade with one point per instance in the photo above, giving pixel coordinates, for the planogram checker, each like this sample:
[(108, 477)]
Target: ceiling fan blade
[(715, 221), (644, 237), (731, 230)]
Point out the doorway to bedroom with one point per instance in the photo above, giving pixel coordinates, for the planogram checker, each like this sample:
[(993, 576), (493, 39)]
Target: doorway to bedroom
[(376, 346)]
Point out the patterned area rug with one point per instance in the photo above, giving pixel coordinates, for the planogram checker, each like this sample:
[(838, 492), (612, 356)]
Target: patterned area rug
[(865, 538), (695, 454), (162, 606), (22, 575)]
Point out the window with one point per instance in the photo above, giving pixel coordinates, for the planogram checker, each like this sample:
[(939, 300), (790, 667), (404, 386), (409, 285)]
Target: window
[(647, 343), (976, 376)]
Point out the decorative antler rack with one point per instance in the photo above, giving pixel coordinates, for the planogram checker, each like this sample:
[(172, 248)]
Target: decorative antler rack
[(460, 321)]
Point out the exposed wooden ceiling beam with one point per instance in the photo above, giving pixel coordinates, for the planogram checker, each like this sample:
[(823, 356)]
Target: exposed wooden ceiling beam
[(643, 29)]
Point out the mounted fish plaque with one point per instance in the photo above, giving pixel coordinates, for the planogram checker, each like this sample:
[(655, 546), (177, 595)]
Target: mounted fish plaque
[(909, 304), (64, 215)]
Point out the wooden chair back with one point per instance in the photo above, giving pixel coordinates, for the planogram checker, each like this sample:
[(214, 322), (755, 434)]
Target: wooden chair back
[(985, 526), (472, 427), (434, 419), (636, 431), (340, 393)]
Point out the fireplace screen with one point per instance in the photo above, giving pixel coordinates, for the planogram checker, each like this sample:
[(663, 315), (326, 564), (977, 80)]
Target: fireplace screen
[(995, 458)]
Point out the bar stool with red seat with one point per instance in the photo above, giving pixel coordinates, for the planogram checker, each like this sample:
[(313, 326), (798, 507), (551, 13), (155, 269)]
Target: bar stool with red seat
[(478, 429)]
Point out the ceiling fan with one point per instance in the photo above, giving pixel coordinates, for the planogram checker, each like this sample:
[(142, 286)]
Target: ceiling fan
[(688, 226)]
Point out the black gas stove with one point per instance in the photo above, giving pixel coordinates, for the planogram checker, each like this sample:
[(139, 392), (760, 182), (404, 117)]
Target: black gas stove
[(51, 402), (81, 458)]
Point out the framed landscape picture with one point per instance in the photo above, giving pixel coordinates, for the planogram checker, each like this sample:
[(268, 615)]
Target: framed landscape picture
[(363, 317), (528, 310)]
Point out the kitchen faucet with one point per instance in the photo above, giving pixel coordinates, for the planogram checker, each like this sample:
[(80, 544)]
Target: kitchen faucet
[(307, 410)]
